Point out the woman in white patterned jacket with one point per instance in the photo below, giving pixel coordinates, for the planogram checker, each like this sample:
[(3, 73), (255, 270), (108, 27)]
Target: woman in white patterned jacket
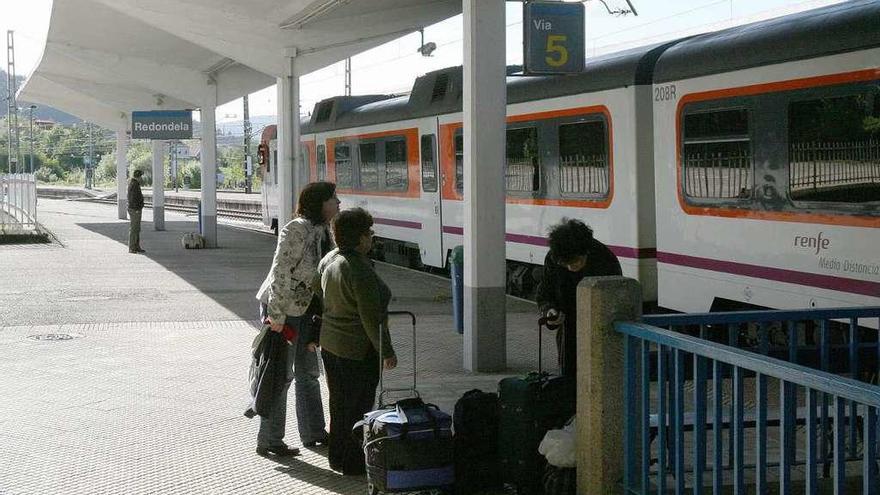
[(286, 299)]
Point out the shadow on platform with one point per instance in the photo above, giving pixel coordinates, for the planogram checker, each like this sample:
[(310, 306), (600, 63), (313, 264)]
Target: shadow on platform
[(230, 274)]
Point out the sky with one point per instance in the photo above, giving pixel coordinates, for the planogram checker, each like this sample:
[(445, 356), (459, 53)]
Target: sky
[(392, 68)]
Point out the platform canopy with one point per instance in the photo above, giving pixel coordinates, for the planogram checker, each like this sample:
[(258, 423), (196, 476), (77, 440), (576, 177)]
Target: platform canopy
[(106, 58)]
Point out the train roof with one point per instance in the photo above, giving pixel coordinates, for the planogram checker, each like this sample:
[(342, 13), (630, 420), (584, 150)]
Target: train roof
[(838, 28), (440, 92)]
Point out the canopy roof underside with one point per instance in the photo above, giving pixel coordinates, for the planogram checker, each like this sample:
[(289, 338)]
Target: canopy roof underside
[(104, 59)]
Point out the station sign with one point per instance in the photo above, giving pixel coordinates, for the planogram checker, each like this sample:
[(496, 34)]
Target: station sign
[(553, 37), (162, 124)]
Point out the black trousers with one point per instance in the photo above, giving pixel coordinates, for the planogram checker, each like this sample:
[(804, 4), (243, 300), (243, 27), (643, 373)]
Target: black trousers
[(352, 386)]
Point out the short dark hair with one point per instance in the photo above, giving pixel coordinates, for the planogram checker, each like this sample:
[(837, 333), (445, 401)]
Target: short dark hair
[(569, 239), (311, 200), (349, 226), (138, 173)]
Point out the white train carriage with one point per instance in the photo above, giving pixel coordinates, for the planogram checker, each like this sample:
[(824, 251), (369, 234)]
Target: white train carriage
[(767, 153), (267, 159), (766, 189), (577, 147)]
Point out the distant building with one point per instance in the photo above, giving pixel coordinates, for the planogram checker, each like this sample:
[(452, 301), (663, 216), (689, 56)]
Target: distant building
[(44, 124)]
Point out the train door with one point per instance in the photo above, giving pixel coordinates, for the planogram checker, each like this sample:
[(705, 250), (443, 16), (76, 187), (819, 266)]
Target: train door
[(431, 245)]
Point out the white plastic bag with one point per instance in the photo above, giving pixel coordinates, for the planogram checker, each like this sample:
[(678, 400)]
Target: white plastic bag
[(559, 446)]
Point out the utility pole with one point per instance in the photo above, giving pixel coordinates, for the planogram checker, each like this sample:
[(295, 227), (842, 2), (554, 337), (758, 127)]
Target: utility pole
[(348, 76), (175, 176), (247, 146), (91, 168), (33, 107), (11, 105)]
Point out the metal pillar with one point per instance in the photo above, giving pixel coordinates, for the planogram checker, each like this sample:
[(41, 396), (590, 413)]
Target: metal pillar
[(288, 142), (12, 134), (122, 171), (247, 145), (159, 185), (485, 99), (32, 107), (209, 166)]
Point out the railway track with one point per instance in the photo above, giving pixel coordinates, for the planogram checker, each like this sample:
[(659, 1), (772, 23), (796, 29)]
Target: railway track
[(221, 212)]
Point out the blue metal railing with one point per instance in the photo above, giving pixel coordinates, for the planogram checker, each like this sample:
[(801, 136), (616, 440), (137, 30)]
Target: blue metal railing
[(670, 358)]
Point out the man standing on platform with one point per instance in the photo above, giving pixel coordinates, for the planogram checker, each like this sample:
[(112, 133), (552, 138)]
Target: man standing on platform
[(135, 207), (574, 254)]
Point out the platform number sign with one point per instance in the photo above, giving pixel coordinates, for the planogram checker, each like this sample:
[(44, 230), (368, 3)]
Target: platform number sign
[(553, 37)]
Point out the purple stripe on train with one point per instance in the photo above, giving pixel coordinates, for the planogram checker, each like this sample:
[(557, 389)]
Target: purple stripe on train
[(397, 223), (842, 284), (622, 251)]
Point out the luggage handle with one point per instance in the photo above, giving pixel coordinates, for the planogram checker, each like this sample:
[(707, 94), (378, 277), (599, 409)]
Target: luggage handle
[(402, 407), (382, 389), (542, 322)]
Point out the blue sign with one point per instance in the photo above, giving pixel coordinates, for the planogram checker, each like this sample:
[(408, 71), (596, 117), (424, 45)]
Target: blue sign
[(553, 37), (162, 124)]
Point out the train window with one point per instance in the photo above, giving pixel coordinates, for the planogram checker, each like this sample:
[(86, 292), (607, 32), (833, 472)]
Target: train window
[(834, 148), (342, 155), (522, 173), (583, 159), (717, 156), (459, 161), (368, 166), (321, 168), (395, 164), (429, 165)]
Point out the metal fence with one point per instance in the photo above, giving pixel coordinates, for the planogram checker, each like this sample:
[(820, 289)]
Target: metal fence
[(521, 175), (18, 203), (718, 175), (583, 174), (817, 165), (697, 401)]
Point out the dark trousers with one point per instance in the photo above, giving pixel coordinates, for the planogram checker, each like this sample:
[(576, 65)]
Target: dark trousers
[(352, 386)]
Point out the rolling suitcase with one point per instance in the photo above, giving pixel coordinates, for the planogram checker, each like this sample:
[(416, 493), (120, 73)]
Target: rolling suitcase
[(530, 406), (408, 446), (475, 432)]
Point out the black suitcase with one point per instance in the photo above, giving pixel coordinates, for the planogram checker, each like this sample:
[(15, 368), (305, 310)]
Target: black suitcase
[(530, 406), (559, 481), (408, 445), (475, 428)]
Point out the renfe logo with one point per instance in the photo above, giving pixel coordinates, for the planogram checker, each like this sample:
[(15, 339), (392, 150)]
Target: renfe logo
[(818, 243)]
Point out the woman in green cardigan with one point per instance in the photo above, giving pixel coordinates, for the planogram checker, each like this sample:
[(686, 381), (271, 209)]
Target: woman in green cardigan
[(355, 304)]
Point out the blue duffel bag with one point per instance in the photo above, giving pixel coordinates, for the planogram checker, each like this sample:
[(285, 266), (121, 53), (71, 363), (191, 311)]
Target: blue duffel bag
[(408, 447)]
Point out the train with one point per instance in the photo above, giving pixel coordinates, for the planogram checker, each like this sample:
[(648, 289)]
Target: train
[(733, 169)]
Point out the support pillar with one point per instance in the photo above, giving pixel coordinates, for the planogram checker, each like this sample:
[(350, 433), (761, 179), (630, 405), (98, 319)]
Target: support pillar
[(209, 167), (485, 100), (159, 185), (122, 172), (600, 379), (288, 141)]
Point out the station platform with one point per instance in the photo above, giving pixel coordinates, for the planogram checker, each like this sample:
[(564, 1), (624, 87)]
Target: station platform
[(128, 373)]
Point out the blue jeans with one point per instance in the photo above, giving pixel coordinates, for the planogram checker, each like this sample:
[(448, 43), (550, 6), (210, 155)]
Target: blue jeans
[(303, 371)]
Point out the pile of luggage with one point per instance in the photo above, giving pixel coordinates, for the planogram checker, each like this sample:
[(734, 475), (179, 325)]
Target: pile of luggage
[(492, 440)]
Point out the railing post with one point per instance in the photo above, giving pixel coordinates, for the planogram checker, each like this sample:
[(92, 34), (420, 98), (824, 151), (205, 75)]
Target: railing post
[(600, 400)]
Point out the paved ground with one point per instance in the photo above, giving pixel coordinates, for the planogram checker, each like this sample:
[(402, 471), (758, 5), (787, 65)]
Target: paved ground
[(147, 396)]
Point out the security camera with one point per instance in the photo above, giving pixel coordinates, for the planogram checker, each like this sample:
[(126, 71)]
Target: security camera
[(427, 49)]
